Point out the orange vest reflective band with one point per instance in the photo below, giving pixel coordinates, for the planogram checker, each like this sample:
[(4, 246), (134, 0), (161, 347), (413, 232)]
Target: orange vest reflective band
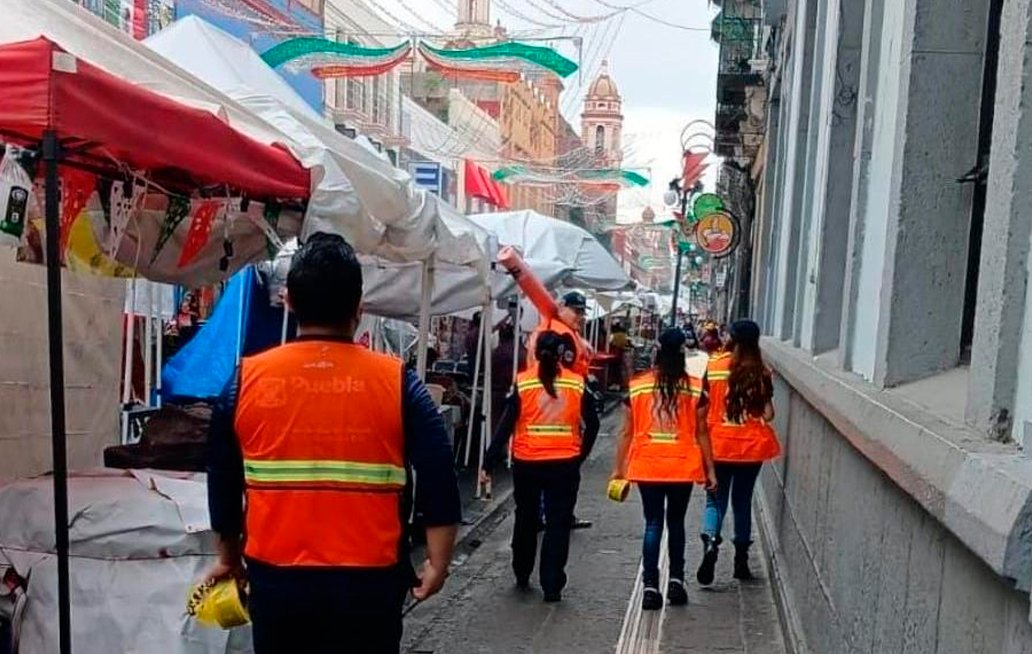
[(320, 429), (582, 359), (718, 371), (750, 442), (663, 447), (548, 428)]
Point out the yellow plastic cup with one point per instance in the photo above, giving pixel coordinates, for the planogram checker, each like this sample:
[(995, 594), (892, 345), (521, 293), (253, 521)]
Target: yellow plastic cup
[(619, 489), (218, 604)]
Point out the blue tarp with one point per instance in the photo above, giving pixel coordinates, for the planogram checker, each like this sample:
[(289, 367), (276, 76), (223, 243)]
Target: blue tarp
[(201, 369)]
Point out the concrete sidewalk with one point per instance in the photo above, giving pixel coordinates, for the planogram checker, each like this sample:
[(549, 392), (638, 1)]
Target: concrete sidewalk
[(480, 610)]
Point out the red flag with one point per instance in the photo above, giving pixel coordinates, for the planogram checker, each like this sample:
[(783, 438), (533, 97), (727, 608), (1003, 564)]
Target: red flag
[(76, 188), (200, 228)]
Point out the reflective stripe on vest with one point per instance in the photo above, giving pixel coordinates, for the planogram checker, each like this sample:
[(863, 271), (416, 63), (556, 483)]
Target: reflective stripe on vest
[(321, 473), (663, 446), (320, 430), (548, 428)]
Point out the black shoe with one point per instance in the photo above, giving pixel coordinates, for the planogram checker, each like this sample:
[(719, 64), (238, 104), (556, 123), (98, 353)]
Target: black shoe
[(581, 524), (709, 559), (651, 600), (522, 584), (742, 571), (551, 597), (676, 593)]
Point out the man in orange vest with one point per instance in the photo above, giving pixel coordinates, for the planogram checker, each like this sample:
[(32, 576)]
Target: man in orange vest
[(321, 437), (571, 320)]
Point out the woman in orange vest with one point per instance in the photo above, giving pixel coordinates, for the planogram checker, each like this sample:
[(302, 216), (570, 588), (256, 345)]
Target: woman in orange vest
[(664, 450), (543, 419), (741, 394)]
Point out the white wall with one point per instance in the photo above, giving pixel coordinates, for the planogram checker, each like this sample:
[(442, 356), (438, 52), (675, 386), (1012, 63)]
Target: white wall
[(828, 61), (882, 197)]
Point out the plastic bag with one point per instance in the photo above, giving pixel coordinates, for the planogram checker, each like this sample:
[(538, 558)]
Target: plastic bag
[(15, 194)]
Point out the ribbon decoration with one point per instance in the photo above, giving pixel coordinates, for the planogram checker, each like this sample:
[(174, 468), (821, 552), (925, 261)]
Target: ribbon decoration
[(177, 211), (327, 59), (76, 188), (200, 229), (507, 58)]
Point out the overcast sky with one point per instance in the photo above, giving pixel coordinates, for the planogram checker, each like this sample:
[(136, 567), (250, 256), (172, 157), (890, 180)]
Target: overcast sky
[(666, 75)]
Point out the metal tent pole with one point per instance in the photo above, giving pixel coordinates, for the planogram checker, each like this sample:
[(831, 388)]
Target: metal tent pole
[(127, 372), (148, 352), (59, 437), (486, 319), (424, 315), (473, 395)]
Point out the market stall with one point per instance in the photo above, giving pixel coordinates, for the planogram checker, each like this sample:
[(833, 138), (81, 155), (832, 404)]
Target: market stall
[(166, 208)]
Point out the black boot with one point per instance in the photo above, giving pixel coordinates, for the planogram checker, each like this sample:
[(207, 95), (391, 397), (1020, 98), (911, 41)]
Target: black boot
[(709, 559), (742, 571)]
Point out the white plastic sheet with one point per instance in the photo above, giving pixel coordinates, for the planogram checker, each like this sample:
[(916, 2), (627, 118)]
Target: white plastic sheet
[(139, 541)]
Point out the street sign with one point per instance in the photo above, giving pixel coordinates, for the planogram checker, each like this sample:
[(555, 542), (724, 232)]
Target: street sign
[(426, 175)]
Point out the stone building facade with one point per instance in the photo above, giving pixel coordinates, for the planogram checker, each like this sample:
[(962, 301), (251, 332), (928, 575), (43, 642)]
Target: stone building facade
[(890, 270)]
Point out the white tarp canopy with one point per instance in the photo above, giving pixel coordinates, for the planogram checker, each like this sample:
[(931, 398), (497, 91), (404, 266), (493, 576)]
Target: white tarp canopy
[(557, 251), (359, 193), (139, 541)]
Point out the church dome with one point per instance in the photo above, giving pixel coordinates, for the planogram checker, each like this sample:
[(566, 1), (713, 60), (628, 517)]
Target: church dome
[(604, 87)]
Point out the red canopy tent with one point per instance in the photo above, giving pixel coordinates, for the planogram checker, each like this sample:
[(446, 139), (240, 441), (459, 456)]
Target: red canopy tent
[(104, 120), (73, 113)]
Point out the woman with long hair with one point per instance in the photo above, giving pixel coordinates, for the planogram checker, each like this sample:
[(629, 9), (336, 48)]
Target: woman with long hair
[(664, 450), (741, 394), (543, 419)]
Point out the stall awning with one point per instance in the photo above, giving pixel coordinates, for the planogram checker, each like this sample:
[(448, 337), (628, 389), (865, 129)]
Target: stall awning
[(105, 120)]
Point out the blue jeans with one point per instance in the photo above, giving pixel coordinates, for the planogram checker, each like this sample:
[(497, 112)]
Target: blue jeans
[(661, 501), (735, 481)]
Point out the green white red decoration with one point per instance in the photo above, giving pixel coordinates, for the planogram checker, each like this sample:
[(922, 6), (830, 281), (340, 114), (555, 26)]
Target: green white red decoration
[(177, 211), (507, 59), (589, 176), (200, 229), (326, 59), (501, 62), (76, 188)]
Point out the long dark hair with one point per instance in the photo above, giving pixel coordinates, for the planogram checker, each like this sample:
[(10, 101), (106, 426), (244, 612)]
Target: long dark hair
[(546, 349), (749, 385), (670, 370)]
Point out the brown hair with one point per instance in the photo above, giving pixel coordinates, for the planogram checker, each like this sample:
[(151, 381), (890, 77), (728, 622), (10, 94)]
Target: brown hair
[(749, 385)]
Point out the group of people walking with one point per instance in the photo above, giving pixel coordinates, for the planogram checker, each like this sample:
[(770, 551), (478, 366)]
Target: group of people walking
[(683, 428), (315, 446)]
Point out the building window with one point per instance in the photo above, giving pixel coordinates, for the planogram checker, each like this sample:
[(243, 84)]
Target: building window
[(600, 140), (378, 100)]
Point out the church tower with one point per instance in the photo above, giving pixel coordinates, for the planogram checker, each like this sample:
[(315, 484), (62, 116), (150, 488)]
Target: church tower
[(602, 120), (474, 18)]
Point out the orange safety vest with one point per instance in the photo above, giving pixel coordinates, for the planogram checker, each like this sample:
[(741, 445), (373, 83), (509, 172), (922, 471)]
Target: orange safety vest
[(663, 447), (748, 442), (320, 429), (582, 358), (548, 428)]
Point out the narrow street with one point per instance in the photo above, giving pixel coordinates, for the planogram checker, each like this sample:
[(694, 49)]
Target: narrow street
[(481, 611)]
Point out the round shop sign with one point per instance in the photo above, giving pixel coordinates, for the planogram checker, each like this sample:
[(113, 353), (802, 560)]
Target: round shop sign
[(718, 233)]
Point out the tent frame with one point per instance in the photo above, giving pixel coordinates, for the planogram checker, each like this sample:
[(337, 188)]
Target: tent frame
[(52, 155)]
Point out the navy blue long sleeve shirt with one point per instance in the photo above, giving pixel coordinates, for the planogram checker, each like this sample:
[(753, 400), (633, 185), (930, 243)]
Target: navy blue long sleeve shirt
[(428, 453)]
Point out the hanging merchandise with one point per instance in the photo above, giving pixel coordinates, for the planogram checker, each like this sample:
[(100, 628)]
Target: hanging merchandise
[(273, 242), (200, 229), (506, 60), (327, 59), (76, 188), (177, 211), (15, 194)]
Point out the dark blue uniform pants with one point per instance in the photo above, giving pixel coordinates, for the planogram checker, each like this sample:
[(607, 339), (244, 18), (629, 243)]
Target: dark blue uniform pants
[(326, 611), (557, 482)]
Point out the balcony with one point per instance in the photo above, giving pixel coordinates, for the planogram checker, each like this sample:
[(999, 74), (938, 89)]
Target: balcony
[(739, 31)]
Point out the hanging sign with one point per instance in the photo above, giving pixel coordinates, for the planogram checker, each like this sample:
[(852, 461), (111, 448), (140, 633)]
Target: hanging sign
[(718, 233), (426, 175)]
